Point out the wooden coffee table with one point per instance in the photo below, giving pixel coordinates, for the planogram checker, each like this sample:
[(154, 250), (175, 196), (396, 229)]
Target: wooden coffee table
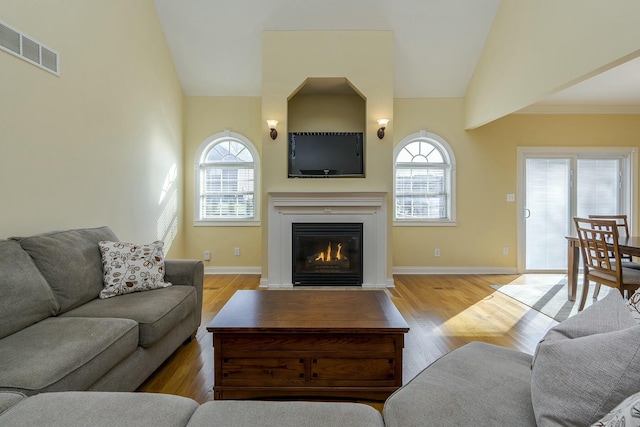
[(308, 343)]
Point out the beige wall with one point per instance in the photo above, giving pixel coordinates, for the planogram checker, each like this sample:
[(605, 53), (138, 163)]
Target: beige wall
[(204, 117), (486, 172), (536, 48), (365, 59), (326, 113), (95, 145)]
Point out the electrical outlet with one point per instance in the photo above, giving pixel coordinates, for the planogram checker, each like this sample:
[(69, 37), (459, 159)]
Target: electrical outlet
[(511, 197), (207, 255), (505, 250), (437, 252), (236, 251)]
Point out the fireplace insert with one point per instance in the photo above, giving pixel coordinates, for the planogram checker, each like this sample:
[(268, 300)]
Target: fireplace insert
[(327, 254)]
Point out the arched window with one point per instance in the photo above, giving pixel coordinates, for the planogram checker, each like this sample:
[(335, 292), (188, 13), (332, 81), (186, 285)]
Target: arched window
[(424, 181), (226, 180)]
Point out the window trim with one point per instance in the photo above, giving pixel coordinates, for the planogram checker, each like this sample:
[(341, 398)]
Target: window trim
[(202, 150), (444, 146)]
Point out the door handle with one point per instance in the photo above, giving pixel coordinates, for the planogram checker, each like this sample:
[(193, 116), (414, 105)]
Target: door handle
[(527, 213)]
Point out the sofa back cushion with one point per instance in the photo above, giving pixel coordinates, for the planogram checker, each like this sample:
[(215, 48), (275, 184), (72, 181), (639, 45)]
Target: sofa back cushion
[(25, 297), (586, 365), (71, 263)]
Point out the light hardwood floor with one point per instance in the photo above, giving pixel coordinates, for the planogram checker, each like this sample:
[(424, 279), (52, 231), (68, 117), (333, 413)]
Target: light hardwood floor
[(444, 312)]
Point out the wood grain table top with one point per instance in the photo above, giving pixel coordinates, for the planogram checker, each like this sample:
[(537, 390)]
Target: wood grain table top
[(309, 311)]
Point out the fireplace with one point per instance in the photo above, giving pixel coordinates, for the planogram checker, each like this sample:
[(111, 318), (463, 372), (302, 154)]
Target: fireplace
[(326, 254), (366, 208)]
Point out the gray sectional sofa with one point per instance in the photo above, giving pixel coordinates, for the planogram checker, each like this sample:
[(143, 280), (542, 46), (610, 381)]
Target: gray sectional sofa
[(585, 371), (56, 334)]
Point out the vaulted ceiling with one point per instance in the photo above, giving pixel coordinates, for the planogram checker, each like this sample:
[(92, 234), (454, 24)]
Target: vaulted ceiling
[(216, 46)]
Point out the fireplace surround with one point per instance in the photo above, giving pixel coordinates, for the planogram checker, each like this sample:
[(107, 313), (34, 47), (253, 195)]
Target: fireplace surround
[(366, 208)]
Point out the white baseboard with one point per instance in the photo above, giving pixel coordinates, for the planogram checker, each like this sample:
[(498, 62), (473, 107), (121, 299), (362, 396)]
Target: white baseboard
[(455, 270), (390, 283), (233, 270), (264, 283)]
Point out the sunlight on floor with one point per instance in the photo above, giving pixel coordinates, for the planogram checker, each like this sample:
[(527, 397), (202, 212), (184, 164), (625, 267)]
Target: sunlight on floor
[(538, 279), (549, 294), (507, 313)]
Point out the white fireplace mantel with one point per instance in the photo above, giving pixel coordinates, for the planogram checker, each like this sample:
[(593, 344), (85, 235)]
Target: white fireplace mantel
[(368, 208)]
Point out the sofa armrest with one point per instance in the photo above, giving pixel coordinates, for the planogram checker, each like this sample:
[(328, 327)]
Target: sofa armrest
[(186, 272)]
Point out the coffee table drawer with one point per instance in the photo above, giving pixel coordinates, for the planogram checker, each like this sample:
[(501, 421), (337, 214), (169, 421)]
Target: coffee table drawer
[(337, 371), (249, 370)]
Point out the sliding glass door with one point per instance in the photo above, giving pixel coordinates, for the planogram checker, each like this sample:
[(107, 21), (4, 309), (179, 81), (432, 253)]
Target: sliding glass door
[(558, 187), (547, 212)]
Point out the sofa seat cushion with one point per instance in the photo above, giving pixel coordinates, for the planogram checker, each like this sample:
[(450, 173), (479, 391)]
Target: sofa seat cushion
[(100, 409), (71, 262), (25, 297), (8, 399), (284, 414), (477, 384), (65, 353), (156, 311)]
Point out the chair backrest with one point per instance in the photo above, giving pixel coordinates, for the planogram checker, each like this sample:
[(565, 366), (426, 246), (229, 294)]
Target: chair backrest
[(599, 244), (621, 222)]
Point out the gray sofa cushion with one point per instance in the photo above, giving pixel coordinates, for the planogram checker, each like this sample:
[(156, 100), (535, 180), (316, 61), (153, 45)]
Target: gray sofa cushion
[(100, 409), (284, 414), (578, 377), (477, 384), (71, 263), (606, 315), (156, 311), (8, 399), (25, 297), (65, 353)]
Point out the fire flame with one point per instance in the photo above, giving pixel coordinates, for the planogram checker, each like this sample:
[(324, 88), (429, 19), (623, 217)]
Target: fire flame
[(327, 257)]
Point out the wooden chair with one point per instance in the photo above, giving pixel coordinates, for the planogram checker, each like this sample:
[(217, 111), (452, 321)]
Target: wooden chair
[(621, 224), (623, 231), (601, 257)]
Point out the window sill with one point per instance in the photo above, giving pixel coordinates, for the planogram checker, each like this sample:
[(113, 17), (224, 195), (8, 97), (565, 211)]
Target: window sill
[(228, 223), (424, 223)]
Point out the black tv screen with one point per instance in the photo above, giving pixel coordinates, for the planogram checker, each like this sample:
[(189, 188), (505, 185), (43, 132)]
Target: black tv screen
[(326, 154)]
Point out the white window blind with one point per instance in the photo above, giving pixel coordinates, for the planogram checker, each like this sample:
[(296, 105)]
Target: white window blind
[(598, 187)]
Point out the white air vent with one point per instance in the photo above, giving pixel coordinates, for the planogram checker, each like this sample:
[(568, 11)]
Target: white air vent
[(27, 48)]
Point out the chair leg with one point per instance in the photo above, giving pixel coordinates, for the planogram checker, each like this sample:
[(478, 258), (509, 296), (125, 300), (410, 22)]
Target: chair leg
[(596, 291), (622, 292), (585, 291)]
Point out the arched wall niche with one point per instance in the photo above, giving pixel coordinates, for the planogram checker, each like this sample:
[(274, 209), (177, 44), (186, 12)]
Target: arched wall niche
[(326, 104)]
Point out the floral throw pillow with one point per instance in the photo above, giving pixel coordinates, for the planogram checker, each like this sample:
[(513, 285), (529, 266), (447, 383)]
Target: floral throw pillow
[(634, 305), (626, 414), (129, 267)]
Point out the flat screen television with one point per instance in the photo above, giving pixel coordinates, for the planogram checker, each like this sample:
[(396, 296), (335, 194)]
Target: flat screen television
[(326, 154)]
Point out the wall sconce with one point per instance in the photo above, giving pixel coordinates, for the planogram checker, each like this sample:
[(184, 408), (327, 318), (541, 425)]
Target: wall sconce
[(272, 127), (383, 125)]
